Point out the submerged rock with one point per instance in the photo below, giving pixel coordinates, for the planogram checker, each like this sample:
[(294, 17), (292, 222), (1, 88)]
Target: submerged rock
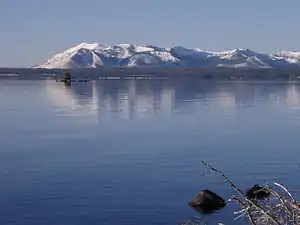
[(257, 192), (207, 202)]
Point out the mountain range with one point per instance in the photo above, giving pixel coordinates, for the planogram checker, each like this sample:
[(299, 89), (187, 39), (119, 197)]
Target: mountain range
[(96, 55)]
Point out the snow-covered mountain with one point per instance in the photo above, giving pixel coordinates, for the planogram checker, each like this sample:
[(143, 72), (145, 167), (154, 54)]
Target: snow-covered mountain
[(96, 55)]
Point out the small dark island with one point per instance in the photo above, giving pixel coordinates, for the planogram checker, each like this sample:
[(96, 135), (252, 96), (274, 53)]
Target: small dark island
[(67, 78)]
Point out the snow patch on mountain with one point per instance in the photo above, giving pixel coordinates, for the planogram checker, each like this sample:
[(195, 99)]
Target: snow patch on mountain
[(289, 56)]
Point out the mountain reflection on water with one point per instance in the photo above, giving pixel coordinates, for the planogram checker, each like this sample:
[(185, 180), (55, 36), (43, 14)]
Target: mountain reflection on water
[(146, 99)]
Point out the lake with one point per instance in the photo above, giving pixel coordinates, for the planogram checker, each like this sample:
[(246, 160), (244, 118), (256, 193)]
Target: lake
[(130, 152)]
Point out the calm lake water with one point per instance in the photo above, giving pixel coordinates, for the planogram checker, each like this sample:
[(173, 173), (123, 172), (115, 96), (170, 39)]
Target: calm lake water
[(130, 152)]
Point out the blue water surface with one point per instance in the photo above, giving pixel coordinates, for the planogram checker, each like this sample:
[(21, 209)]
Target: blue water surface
[(130, 152)]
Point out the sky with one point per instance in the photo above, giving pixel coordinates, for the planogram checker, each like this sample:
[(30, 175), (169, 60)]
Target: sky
[(34, 30)]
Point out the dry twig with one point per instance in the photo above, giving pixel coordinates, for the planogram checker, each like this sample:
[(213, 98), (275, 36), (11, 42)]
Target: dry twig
[(281, 209)]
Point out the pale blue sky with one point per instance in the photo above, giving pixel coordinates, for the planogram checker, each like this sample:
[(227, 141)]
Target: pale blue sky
[(33, 30)]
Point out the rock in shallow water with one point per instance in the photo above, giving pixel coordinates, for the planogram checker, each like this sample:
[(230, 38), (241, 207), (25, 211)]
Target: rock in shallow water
[(257, 192), (207, 202)]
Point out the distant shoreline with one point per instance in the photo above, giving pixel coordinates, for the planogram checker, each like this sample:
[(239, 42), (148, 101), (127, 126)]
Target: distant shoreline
[(155, 73)]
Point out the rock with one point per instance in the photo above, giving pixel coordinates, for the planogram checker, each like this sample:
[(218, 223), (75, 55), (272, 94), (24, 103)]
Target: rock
[(257, 192), (207, 202)]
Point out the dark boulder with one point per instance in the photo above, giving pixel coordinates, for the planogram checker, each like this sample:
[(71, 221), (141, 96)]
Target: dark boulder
[(257, 192), (207, 202)]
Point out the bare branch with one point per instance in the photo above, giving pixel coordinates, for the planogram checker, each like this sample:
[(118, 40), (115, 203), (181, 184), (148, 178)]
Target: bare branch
[(249, 201)]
